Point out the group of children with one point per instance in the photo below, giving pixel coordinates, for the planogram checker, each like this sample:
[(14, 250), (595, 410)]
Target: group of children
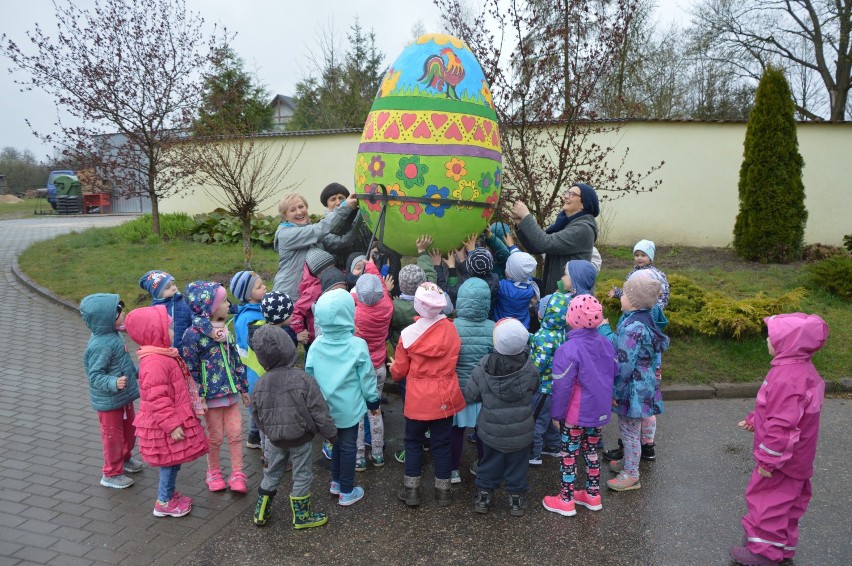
[(463, 354)]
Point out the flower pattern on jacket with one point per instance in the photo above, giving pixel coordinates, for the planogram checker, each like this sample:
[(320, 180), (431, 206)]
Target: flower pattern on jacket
[(636, 392), (549, 337)]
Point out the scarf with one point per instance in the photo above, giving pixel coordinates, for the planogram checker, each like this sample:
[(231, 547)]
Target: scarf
[(194, 398), (562, 220)]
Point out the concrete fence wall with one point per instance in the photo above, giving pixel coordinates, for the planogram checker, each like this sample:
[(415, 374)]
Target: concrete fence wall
[(696, 204)]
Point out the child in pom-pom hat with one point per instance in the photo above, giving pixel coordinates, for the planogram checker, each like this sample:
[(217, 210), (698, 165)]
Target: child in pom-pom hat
[(164, 291)]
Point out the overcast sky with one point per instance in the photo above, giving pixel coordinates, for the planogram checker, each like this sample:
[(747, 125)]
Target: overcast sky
[(274, 38)]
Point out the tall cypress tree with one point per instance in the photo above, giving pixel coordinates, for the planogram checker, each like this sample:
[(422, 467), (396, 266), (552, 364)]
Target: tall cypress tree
[(770, 226)]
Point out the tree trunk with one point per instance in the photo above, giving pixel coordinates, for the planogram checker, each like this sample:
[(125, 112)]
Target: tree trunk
[(246, 222), (155, 213)]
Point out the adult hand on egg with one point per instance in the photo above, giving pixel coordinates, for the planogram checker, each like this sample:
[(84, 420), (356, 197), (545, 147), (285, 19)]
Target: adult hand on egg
[(520, 211)]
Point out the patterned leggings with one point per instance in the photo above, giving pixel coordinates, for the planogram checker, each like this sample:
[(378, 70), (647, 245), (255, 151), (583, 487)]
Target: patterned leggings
[(575, 439)]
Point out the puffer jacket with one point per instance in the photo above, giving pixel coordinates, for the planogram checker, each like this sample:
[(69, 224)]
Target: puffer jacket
[(106, 358), (310, 290), (165, 403), (504, 385), (475, 330), (181, 316), (514, 301), (373, 321), (547, 340), (287, 403), (247, 317)]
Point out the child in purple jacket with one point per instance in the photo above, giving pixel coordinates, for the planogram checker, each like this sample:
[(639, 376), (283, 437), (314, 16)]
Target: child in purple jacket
[(584, 371)]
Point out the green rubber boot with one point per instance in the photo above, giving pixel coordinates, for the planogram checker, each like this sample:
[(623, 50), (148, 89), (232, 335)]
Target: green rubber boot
[(262, 510), (303, 517)]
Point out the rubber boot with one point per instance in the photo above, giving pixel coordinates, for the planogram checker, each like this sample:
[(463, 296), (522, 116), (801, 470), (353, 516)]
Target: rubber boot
[(263, 509), (517, 504), (443, 493), (482, 500), (648, 452), (303, 517), (410, 493)]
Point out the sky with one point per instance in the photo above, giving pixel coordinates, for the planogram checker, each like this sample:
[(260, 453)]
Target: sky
[(274, 38)]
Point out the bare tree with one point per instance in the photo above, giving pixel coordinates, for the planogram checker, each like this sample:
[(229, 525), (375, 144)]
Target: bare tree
[(811, 37), (544, 61), (128, 71)]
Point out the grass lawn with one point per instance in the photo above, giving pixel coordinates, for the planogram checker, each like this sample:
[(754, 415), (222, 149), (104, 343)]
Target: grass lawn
[(98, 260), (21, 209)]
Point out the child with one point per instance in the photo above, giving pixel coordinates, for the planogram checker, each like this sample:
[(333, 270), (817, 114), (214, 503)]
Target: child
[(277, 309), (248, 288), (473, 262), (785, 423), (112, 386), (310, 288), (636, 393), (290, 410), (583, 372), (341, 364), (476, 334), (544, 343), (373, 312), (517, 290), (163, 290), (426, 357), (217, 370), (643, 260), (504, 382), (169, 431), (579, 278)]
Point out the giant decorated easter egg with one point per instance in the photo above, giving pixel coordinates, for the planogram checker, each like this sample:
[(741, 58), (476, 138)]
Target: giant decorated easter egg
[(430, 151)]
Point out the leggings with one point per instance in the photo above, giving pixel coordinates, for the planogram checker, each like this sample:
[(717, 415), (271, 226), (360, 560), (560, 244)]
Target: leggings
[(577, 439), (221, 422)]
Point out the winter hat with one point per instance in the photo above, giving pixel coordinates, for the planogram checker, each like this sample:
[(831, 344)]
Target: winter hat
[(510, 336), (583, 276), (589, 198), (331, 277), (500, 229), (542, 305), (242, 284), (642, 290), (519, 266), (429, 300), (369, 289), (330, 190), (479, 262), (647, 247), (276, 307), (353, 259), (317, 260), (154, 282), (218, 298), (410, 278), (585, 312)]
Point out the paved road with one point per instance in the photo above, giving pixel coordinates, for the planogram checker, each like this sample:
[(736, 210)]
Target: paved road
[(52, 509)]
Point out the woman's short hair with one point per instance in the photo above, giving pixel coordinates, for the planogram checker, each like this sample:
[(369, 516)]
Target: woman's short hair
[(287, 201)]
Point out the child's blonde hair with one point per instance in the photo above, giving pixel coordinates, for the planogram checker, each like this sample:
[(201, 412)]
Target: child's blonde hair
[(287, 200)]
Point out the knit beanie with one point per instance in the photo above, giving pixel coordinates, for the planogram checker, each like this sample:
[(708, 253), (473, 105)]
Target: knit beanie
[(589, 198), (429, 300), (369, 289), (410, 278), (331, 277), (519, 266), (317, 260), (584, 311), (154, 282), (276, 307), (330, 190), (479, 262), (242, 284), (647, 247), (583, 276), (642, 290), (510, 336)]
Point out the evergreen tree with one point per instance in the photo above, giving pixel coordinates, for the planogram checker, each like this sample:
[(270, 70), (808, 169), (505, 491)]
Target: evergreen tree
[(770, 225)]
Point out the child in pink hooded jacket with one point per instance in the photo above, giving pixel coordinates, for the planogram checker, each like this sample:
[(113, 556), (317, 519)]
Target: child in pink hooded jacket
[(785, 422)]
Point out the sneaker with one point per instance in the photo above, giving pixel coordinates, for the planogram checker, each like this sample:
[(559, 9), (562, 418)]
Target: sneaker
[(474, 467), (455, 477), (346, 499), (173, 508), (648, 452), (616, 466), (535, 460), (237, 482), (744, 556), (360, 464), (116, 482), (326, 449), (615, 453), (517, 504), (133, 466), (471, 437), (552, 452), (482, 500), (591, 502), (181, 497), (378, 460), (334, 488), (399, 456), (215, 481), (556, 504), (623, 482), (253, 440)]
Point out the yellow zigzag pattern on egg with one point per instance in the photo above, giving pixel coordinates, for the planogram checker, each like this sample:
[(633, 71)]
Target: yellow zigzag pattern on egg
[(427, 127)]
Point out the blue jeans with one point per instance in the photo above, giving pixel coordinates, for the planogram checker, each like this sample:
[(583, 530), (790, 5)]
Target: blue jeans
[(544, 434), (497, 466), (343, 458), (439, 438), (166, 487)]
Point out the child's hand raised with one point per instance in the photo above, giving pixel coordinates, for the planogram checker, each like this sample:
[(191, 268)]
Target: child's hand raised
[(177, 434), (509, 240), (389, 283), (423, 243), (451, 259), (470, 243), (121, 382), (746, 426), (435, 254)]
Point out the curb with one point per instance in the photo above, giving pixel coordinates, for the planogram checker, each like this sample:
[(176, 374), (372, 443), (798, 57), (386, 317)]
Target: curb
[(43, 291)]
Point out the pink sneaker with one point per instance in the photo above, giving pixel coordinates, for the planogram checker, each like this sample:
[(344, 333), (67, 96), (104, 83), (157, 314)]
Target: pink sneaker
[(181, 497), (623, 482), (174, 508), (237, 482), (556, 504), (582, 497), (215, 481)]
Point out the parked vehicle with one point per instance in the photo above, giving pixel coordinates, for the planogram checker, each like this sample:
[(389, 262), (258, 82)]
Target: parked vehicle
[(51, 187)]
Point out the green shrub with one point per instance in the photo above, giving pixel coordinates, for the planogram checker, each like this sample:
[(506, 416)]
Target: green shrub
[(834, 275), (693, 310), (817, 252), (847, 242), (219, 227), (172, 227)]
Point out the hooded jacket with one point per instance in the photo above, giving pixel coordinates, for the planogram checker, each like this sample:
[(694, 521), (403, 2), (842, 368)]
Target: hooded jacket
[(340, 362), (180, 313), (287, 404), (165, 400), (504, 385), (787, 409), (106, 358), (310, 290), (476, 331), (244, 325), (583, 276), (373, 321), (549, 338)]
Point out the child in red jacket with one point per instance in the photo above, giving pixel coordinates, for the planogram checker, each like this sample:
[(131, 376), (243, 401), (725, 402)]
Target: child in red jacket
[(167, 424)]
